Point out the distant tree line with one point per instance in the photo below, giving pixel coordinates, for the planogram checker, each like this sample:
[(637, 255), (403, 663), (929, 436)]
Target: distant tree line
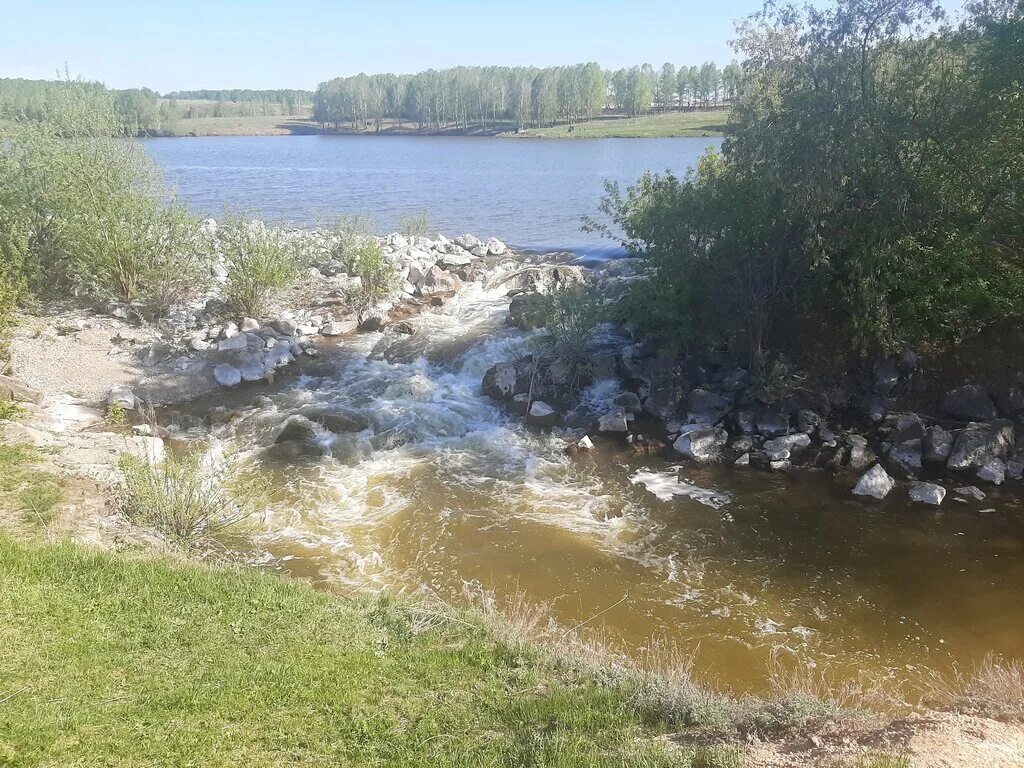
[(145, 109), (488, 97)]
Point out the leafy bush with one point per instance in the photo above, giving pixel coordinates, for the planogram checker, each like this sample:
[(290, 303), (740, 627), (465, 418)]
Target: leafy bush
[(414, 224), (870, 186), (178, 500), (261, 262), (376, 274), (81, 207), (348, 233), (569, 314)]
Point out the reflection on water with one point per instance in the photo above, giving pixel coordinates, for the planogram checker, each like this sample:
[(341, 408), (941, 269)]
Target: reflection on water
[(528, 193), (443, 488)]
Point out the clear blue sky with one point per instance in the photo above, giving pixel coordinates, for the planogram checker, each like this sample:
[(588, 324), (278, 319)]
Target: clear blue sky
[(190, 44)]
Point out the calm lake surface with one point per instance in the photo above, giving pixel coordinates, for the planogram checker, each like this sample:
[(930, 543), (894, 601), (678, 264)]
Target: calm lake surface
[(529, 193)]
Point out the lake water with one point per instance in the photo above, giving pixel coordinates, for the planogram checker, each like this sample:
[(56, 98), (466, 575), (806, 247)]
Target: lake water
[(529, 193)]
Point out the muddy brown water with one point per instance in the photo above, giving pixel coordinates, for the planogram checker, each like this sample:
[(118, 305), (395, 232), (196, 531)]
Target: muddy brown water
[(447, 491)]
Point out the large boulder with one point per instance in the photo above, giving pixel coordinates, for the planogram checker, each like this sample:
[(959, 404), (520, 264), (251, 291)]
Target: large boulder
[(706, 407), (771, 424), (438, 282), (337, 419), (978, 443), (937, 445), (970, 403), (992, 471), (703, 445), (527, 311), (875, 483), (782, 448), (614, 421), (297, 429), (495, 247), (905, 459), (469, 242)]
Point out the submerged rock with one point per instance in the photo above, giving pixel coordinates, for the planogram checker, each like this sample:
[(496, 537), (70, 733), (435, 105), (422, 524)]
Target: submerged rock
[(227, 375), (970, 492), (875, 483)]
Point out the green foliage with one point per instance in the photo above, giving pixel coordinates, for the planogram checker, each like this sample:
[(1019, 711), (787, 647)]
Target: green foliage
[(569, 314), (117, 416), (261, 262), (414, 224), (175, 664), (81, 207), (10, 410), (377, 275), (177, 499), (871, 185)]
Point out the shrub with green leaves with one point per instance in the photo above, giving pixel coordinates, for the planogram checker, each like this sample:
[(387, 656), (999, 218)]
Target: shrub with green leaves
[(377, 275), (179, 500), (261, 262), (414, 224), (569, 315)]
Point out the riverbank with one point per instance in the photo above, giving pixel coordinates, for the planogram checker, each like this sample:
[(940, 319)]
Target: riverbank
[(346, 402), (710, 123)]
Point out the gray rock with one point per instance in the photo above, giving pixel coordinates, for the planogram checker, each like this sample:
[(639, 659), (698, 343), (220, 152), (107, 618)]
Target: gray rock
[(436, 282), (977, 443), (712, 405), (373, 319), (703, 444), (542, 415), (236, 343), (742, 461), (286, 326), (297, 429), (771, 424), (122, 397), (630, 401), (337, 419), (227, 375), (460, 259), (861, 457), (970, 403), (744, 443), (827, 437), (339, 327), (781, 465), (250, 325), (909, 426), (735, 380), (253, 370), (970, 492), (1010, 401), (613, 421), (526, 311), (495, 247), (469, 242), (875, 483), (927, 493), (1015, 468), (781, 448), (332, 268), (937, 445), (807, 421), (905, 459), (992, 471), (501, 381)]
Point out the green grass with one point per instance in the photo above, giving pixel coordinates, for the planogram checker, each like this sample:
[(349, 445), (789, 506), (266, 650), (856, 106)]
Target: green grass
[(27, 495), (711, 123), (118, 660), (256, 125)]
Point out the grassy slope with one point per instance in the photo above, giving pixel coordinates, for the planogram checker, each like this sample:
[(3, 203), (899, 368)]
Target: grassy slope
[(114, 660), (258, 125), (711, 123)]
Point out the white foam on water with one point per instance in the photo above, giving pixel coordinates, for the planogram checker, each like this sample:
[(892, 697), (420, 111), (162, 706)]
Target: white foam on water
[(667, 486)]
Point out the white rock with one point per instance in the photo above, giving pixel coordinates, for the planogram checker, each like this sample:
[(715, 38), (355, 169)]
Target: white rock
[(339, 327), (229, 331), (585, 443), (495, 247), (250, 325), (613, 421), (286, 326), (927, 493), (970, 491), (227, 375), (234, 343), (875, 482), (467, 241)]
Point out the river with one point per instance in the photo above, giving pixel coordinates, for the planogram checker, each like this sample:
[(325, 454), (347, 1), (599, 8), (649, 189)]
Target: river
[(446, 491), (529, 193)]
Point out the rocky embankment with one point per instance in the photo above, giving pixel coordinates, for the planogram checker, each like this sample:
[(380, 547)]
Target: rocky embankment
[(707, 409)]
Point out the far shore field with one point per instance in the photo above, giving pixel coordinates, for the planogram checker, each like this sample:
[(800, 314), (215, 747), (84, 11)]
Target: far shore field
[(667, 125)]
